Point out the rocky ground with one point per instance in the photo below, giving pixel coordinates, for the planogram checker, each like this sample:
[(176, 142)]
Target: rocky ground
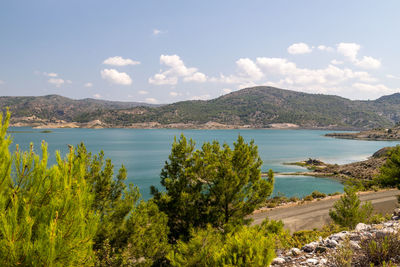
[(376, 134), (323, 251), (362, 170)]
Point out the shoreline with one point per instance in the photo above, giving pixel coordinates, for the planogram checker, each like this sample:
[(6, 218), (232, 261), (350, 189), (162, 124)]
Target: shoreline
[(181, 126)]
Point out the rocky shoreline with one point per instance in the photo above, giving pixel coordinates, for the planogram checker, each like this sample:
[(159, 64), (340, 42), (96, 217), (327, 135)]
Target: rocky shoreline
[(361, 170), (322, 252), (392, 134), (97, 124)]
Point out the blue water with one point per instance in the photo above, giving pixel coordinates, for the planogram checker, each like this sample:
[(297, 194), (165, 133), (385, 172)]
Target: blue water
[(144, 151)]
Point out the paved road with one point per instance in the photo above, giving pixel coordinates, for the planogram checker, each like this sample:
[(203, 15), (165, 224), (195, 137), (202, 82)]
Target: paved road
[(315, 214)]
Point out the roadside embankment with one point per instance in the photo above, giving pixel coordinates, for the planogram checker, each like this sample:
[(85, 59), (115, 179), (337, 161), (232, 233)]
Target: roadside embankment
[(315, 214)]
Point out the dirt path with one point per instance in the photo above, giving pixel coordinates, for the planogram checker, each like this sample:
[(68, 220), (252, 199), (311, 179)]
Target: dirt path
[(315, 214)]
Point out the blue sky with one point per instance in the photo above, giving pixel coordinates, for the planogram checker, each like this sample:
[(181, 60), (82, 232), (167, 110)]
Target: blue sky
[(167, 51)]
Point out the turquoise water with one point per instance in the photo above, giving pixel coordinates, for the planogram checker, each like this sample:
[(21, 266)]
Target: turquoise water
[(144, 151)]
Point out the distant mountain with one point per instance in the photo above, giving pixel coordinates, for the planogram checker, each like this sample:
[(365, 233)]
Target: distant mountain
[(258, 107), (55, 107)]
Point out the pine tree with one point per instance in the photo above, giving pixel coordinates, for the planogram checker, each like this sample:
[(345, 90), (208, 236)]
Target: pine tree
[(45, 213), (390, 171), (348, 211), (129, 229), (248, 246), (215, 185)]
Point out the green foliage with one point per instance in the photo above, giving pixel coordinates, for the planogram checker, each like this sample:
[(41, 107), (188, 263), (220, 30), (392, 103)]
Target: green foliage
[(390, 171), (380, 250), (248, 246), (128, 229), (379, 218), (348, 212), (257, 106), (215, 185), (46, 217), (343, 256), (308, 198), (75, 213), (317, 194)]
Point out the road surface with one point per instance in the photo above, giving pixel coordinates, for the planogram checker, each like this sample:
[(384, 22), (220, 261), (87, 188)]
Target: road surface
[(315, 214)]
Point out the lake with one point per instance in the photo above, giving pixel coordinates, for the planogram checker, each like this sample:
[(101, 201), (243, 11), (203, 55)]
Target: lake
[(144, 151)]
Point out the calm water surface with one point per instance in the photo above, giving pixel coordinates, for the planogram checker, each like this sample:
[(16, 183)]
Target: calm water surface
[(144, 152)]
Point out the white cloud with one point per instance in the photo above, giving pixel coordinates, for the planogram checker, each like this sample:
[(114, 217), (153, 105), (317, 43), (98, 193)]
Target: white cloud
[(302, 76), (158, 32), (390, 76), (196, 77), (119, 61), (249, 69), (368, 63), (176, 69), (54, 78), (97, 96), (56, 81), (349, 50), (247, 74), (162, 79), (88, 85), (325, 48), (336, 62), (151, 100), (299, 48), (174, 94), (51, 74), (373, 90), (142, 92), (113, 76), (201, 97), (226, 91)]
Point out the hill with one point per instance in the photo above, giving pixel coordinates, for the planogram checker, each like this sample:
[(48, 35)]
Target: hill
[(256, 107), (55, 108)]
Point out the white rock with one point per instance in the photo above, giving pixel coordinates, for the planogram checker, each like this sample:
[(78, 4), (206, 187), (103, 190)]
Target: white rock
[(361, 227), (295, 251), (396, 212), (310, 247), (354, 245), (388, 224), (312, 261), (332, 243), (339, 236), (385, 232), (278, 261), (323, 262)]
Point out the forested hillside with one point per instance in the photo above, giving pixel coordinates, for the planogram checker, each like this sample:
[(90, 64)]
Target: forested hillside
[(257, 107)]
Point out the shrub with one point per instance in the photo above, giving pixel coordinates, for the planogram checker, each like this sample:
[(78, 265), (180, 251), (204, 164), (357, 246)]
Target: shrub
[(317, 194), (343, 256), (248, 246), (390, 171), (378, 250), (294, 199), (347, 211), (308, 198)]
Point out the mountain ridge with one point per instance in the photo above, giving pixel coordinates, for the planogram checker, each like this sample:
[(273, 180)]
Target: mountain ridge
[(255, 107)]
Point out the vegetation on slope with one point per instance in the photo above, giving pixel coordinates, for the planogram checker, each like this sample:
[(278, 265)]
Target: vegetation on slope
[(256, 107)]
